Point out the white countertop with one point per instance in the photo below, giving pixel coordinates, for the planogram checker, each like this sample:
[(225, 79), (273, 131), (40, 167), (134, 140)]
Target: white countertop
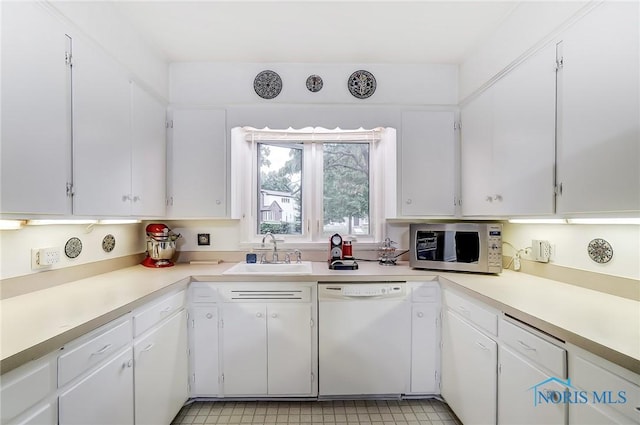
[(37, 323)]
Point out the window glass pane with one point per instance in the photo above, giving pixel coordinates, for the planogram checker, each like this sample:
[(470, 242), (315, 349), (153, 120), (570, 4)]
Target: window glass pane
[(279, 189), (346, 188)]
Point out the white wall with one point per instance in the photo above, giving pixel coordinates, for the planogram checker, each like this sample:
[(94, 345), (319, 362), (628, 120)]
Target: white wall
[(229, 84), (571, 240), (16, 245)]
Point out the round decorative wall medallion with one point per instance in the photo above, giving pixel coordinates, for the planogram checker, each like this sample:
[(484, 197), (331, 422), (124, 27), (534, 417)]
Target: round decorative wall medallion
[(108, 243), (267, 84), (314, 83), (73, 247), (600, 251), (362, 84)]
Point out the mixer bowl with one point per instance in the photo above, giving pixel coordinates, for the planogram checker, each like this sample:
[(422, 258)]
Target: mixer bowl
[(161, 250)]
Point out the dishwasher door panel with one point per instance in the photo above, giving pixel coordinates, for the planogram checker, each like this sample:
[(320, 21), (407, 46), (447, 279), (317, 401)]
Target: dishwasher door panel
[(364, 346)]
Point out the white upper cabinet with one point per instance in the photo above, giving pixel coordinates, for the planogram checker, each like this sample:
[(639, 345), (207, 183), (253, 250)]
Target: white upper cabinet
[(148, 154), (119, 147), (427, 164), (197, 180), (36, 112), (508, 143), (598, 104), (101, 133)]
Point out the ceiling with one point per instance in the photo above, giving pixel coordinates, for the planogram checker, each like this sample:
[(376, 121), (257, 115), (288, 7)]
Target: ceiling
[(411, 32)]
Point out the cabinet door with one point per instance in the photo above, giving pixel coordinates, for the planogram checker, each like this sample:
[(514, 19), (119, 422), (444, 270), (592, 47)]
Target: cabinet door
[(244, 349), (598, 107), (518, 402), (425, 347), (104, 397), (289, 349), (428, 169), (197, 169), (524, 127), (204, 355), (469, 375), (36, 111), (161, 371), (148, 154), (101, 133), (508, 143), (477, 156)]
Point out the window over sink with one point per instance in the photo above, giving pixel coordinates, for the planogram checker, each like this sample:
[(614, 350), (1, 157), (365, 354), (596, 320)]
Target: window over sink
[(305, 185)]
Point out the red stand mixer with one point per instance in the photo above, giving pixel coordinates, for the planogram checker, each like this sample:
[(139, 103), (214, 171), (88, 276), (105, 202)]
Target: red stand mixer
[(161, 246)]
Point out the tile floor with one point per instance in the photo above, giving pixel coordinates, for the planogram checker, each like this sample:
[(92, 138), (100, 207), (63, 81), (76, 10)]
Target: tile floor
[(333, 412)]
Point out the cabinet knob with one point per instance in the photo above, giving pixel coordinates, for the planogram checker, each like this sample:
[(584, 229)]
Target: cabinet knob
[(274, 315), (489, 198), (126, 198), (136, 198), (258, 314), (409, 201), (209, 316), (420, 314), (218, 201), (128, 363)]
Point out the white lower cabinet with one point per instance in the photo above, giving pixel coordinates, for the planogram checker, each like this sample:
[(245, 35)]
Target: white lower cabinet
[(425, 338), (269, 345), (27, 394), (104, 396), (204, 351), (161, 371), (606, 392), (532, 374), (520, 401), (469, 359)]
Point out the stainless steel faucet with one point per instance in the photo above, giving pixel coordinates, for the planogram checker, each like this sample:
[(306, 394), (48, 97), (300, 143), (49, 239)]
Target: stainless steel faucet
[(275, 246)]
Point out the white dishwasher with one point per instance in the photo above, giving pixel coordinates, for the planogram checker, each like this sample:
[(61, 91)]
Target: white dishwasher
[(364, 332)]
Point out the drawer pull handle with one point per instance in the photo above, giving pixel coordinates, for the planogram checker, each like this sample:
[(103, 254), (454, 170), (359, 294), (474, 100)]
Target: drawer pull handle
[(166, 310), (147, 348), (463, 310), (481, 345), (526, 347), (102, 350)]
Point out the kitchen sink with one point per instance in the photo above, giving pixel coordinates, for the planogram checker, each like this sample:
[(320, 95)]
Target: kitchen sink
[(303, 268)]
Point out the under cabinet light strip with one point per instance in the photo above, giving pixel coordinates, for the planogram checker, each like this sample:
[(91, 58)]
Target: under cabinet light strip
[(63, 221), (11, 224), (537, 221), (604, 221)]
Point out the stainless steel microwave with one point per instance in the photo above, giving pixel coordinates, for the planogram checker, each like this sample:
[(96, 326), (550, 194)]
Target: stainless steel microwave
[(464, 247)]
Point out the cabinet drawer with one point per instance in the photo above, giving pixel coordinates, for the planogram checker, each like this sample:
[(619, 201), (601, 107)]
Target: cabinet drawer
[(425, 292), (97, 347), (149, 316), (604, 388), (535, 348), (204, 293), (472, 311), (25, 386)]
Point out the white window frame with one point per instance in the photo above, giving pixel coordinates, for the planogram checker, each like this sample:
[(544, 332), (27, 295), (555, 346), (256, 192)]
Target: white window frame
[(244, 187)]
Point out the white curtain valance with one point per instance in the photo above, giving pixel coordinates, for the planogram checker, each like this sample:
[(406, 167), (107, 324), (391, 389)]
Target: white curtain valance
[(312, 134)]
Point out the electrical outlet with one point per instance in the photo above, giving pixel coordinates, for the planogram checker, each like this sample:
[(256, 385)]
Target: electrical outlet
[(42, 258), (540, 250)]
